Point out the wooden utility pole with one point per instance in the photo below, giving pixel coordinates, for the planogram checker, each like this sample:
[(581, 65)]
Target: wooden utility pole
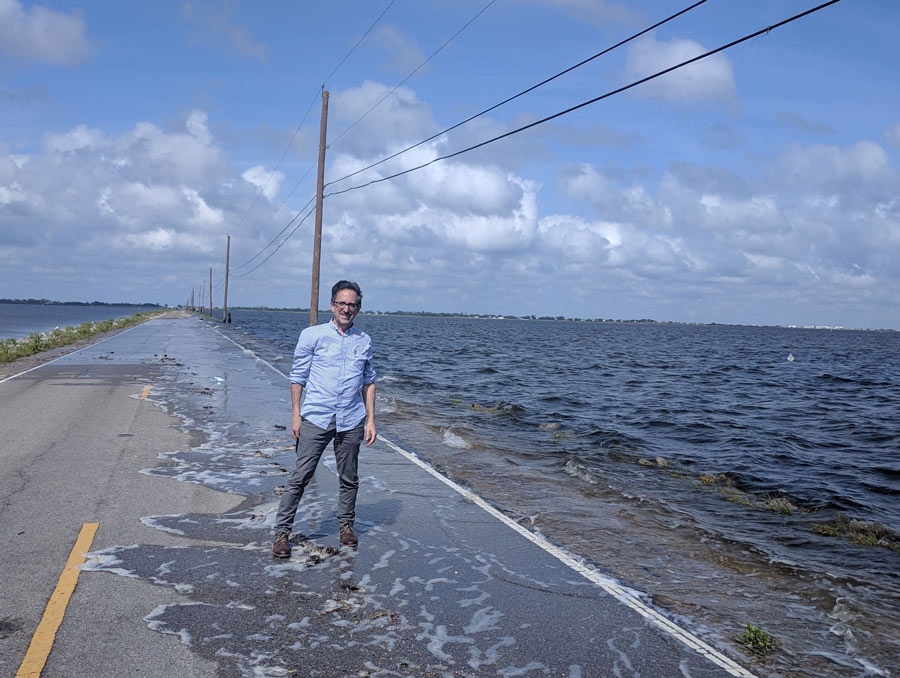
[(210, 292), (192, 298), (317, 239), (225, 303)]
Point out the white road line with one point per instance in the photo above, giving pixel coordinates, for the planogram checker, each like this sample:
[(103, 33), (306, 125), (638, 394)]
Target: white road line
[(264, 362), (606, 583)]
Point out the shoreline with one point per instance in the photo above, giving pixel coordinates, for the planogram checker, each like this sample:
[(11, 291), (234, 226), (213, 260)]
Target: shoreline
[(594, 321)]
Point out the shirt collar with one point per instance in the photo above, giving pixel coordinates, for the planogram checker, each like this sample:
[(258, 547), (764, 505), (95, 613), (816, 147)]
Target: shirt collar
[(351, 330)]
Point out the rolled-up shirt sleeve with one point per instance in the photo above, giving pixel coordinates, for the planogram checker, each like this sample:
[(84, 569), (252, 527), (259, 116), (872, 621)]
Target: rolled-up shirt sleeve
[(368, 370), (303, 354)]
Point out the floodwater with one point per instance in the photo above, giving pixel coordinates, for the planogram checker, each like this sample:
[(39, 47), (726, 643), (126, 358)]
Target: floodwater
[(695, 463)]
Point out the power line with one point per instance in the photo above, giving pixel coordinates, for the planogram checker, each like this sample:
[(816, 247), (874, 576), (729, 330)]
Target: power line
[(303, 120), (278, 235), (353, 49), (619, 90), (591, 101), (522, 93), (505, 101), (466, 25), (416, 70), (289, 235), (278, 164), (271, 216), (221, 281)]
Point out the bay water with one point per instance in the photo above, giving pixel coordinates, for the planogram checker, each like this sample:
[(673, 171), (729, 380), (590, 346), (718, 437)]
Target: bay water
[(702, 465), (20, 320)]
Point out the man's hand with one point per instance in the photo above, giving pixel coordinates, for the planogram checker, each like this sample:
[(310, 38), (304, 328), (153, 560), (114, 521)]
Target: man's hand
[(368, 394), (295, 425)]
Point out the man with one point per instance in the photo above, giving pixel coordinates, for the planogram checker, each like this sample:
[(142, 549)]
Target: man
[(333, 362)]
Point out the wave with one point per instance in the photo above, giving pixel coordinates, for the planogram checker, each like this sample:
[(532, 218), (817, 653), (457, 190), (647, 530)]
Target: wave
[(578, 470), (454, 440), (840, 380)]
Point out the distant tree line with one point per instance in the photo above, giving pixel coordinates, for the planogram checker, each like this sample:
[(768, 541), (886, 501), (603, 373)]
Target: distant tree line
[(48, 302), (272, 308), (438, 314)]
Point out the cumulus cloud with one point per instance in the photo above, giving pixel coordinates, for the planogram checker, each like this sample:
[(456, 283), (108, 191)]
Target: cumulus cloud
[(818, 222), (268, 181), (41, 34), (123, 206), (73, 140), (450, 210), (609, 196), (481, 190), (381, 119), (700, 230), (863, 166), (709, 80)]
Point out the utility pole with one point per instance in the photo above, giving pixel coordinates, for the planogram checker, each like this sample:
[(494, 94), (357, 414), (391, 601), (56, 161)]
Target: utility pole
[(225, 303), (192, 298), (210, 292), (202, 297), (317, 239)]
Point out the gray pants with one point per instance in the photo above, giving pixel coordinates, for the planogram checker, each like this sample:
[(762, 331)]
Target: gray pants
[(312, 442)]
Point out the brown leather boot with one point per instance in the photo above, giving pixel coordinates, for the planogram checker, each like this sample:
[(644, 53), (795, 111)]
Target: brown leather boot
[(348, 538), (281, 547)]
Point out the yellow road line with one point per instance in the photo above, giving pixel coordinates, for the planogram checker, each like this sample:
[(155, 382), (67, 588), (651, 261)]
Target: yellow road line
[(146, 392), (42, 640)]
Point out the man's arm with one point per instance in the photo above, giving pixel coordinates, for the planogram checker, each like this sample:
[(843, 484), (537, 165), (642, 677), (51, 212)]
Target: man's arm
[(303, 355), (368, 393), (296, 392)]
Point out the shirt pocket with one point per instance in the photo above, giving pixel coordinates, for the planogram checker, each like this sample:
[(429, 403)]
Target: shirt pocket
[(360, 350)]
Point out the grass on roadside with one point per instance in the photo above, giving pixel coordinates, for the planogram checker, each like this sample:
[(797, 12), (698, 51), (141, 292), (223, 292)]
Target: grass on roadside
[(757, 640), (10, 349)]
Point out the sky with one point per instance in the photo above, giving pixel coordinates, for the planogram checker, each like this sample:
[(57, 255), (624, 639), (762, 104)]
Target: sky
[(760, 185)]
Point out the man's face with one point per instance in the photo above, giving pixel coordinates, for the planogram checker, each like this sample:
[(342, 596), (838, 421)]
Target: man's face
[(345, 306)]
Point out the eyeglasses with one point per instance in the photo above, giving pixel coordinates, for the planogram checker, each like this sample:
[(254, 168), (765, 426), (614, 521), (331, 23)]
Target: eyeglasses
[(345, 305)]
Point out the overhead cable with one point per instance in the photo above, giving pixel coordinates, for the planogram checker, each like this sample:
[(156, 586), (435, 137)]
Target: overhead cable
[(591, 101), (303, 120), (416, 70), (271, 216), (289, 235), (277, 165), (353, 49), (491, 2), (469, 119), (278, 235), (522, 93)]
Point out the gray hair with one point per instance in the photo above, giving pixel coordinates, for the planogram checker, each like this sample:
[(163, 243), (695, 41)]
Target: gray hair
[(346, 285)]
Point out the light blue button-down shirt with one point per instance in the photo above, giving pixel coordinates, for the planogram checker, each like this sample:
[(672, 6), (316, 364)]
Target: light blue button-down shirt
[(332, 369)]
